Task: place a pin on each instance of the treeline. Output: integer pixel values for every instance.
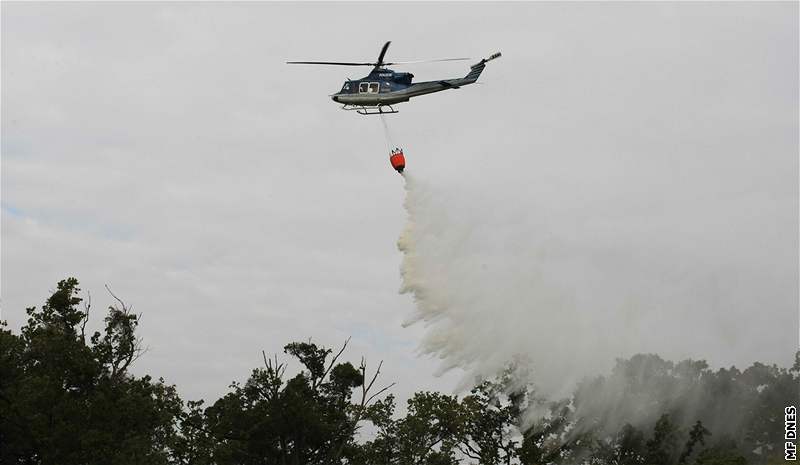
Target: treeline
(68, 397)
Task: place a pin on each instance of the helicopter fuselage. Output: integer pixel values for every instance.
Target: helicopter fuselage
(386, 87)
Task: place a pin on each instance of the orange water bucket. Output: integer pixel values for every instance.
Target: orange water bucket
(398, 161)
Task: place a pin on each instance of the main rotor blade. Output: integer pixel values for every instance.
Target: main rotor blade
(338, 63)
(424, 61)
(383, 52)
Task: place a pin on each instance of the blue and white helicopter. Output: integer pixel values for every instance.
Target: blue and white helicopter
(376, 93)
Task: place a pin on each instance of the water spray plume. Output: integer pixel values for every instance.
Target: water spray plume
(492, 280)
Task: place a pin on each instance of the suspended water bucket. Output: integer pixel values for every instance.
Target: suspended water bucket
(397, 160)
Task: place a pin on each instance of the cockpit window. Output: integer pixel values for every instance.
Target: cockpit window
(346, 86)
(362, 87)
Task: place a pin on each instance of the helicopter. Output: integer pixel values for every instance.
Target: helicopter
(375, 93)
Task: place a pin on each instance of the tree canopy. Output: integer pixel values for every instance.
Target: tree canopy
(69, 398)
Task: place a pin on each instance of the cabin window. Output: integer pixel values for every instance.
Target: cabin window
(363, 87)
(373, 87)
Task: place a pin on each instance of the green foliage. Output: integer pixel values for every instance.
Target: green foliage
(696, 435)
(662, 449)
(63, 401)
(307, 419)
(630, 449)
(440, 429)
(490, 422)
(724, 453)
(66, 398)
(426, 434)
(311, 356)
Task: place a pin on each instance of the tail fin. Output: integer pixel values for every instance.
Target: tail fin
(477, 68)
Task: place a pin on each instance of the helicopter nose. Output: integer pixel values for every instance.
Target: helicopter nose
(335, 98)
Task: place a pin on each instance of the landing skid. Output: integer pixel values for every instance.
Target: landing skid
(362, 110)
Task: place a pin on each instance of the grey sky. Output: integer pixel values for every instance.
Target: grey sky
(167, 150)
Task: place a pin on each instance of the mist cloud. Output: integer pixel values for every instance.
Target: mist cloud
(493, 278)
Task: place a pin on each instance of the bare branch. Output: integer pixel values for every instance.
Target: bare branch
(374, 377)
(363, 369)
(477, 457)
(379, 392)
(336, 357)
(123, 358)
(87, 305)
(365, 397)
(124, 307)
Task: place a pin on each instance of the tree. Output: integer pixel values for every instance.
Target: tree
(630, 449)
(725, 452)
(66, 401)
(696, 435)
(490, 423)
(428, 433)
(308, 419)
(69, 398)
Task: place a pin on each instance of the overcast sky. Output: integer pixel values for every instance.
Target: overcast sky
(168, 151)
